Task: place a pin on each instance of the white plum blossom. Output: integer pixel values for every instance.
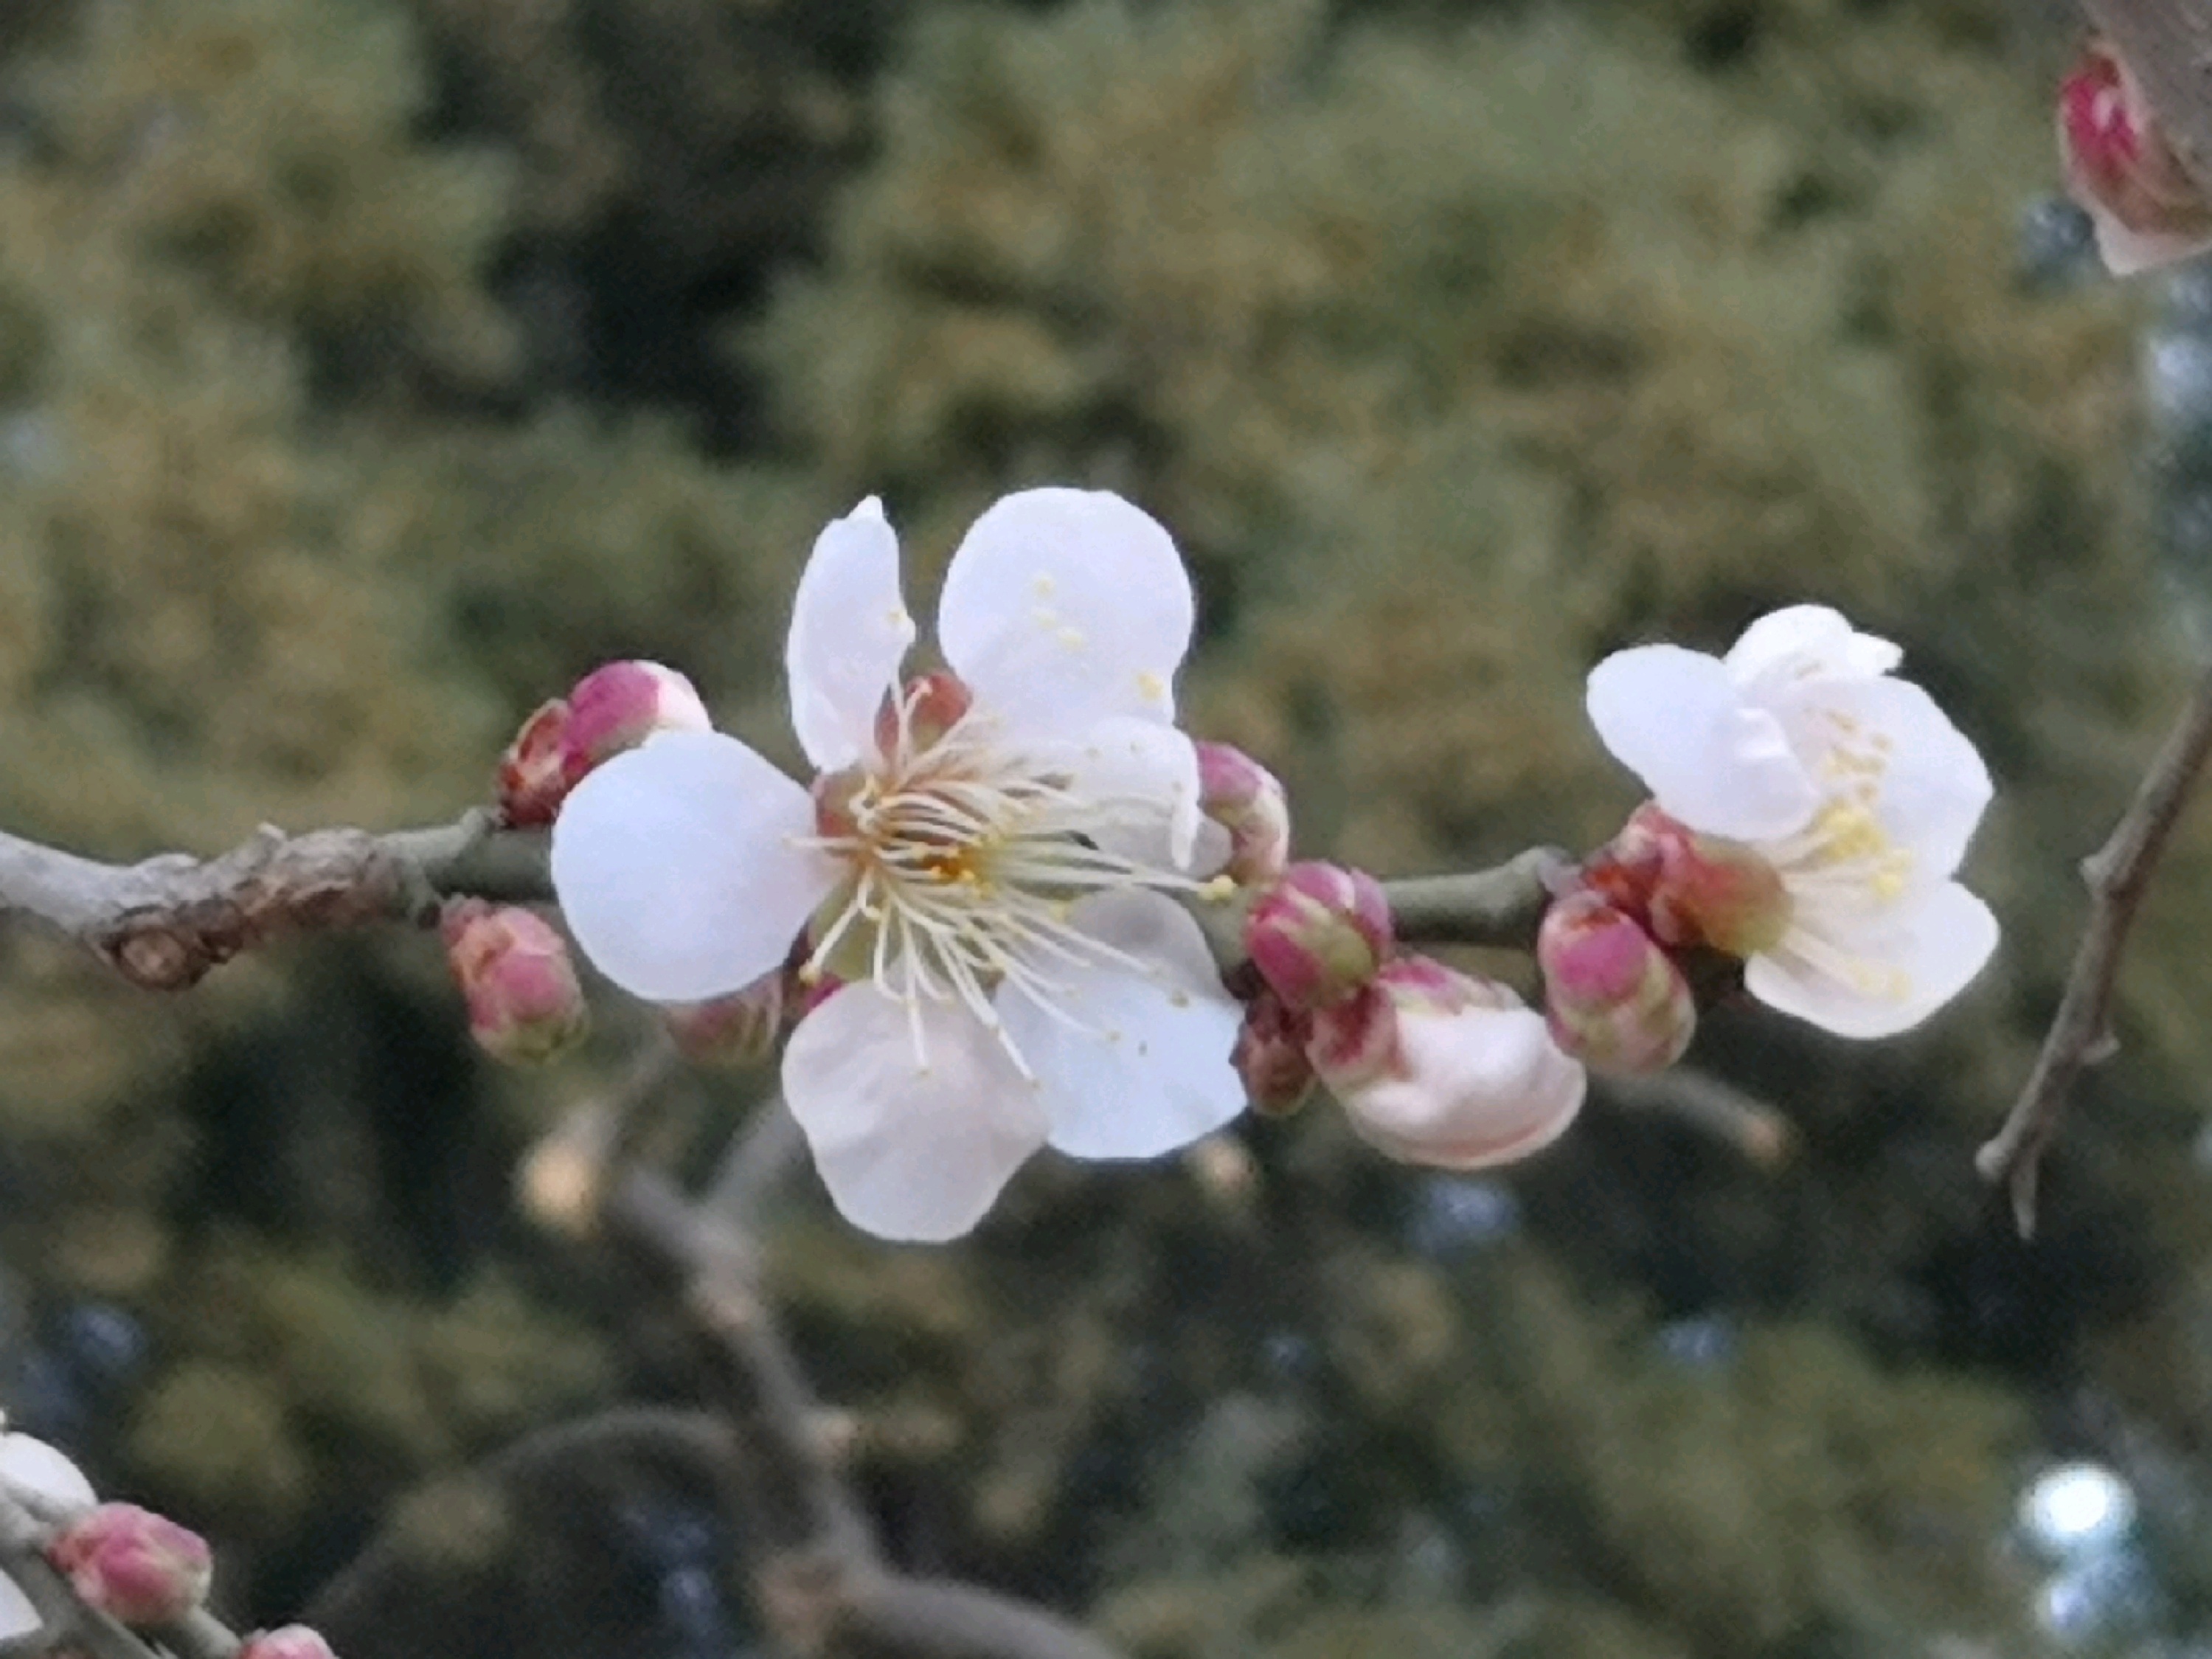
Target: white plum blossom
(34, 1469)
(986, 862)
(1852, 784)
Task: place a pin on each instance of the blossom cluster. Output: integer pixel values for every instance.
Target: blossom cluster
(1012, 905)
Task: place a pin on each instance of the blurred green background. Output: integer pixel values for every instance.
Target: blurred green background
(370, 369)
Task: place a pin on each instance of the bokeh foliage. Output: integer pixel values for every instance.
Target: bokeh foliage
(370, 368)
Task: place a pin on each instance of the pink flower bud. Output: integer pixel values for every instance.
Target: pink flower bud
(1271, 1056)
(926, 709)
(1473, 1078)
(1318, 933)
(533, 777)
(1613, 998)
(621, 704)
(738, 1029)
(1690, 888)
(2147, 208)
(291, 1642)
(613, 708)
(524, 1004)
(1247, 799)
(137, 1566)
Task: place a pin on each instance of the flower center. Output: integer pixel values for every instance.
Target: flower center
(964, 856)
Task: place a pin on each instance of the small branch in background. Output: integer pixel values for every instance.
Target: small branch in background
(2117, 874)
(163, 923)
(1737, 1119)
(820, 1574)
(2168, 46)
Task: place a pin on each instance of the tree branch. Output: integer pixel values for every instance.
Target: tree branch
(2118, 873)
(1502, 906)
(163, 923)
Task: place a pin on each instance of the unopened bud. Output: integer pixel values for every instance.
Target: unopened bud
(1247, 799)
(533, 773)
(1614, 999)
(614, 707)
(133, 1564)
(1318, 933)
(513, 968)
(2147, 208)
(289, 1641)
(1472, 1079)
(737, 1029)
(918, 714)
(619, 705)
(1271, 1056)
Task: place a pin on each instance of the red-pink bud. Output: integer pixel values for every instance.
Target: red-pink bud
(738, 1029)
(1318, 933)
(917, 717)
(525, 1003)
(614, 707)
(1467, 1077)
(533, 775)
(1247, 799)
(1614, 999)
(133, 1564)
(1271, 1056)
(619, 705)
(1352, 1041)
(289, 1641)
(2147, 208)
(1692, 890)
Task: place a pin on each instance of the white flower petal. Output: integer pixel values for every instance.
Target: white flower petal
(1884, 744)
(1143, 778)
(1801, 641)
(2126, 253)
(17, 1616)
(1065, 607)
(1677, 719)
(29, 1462)
(1877, 980)
(677, 870)
(911, 1145)
(1134, 1063)
(31, 1465)
(849, 632)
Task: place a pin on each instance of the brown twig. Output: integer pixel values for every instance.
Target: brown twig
(164, 923)
(2081, 1034)
(820, 1574)
(1705, 1103)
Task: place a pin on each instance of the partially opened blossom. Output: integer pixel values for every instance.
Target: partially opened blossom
(2147, 208)
(1802, 747)
(984, 864)
(1435, 1066)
